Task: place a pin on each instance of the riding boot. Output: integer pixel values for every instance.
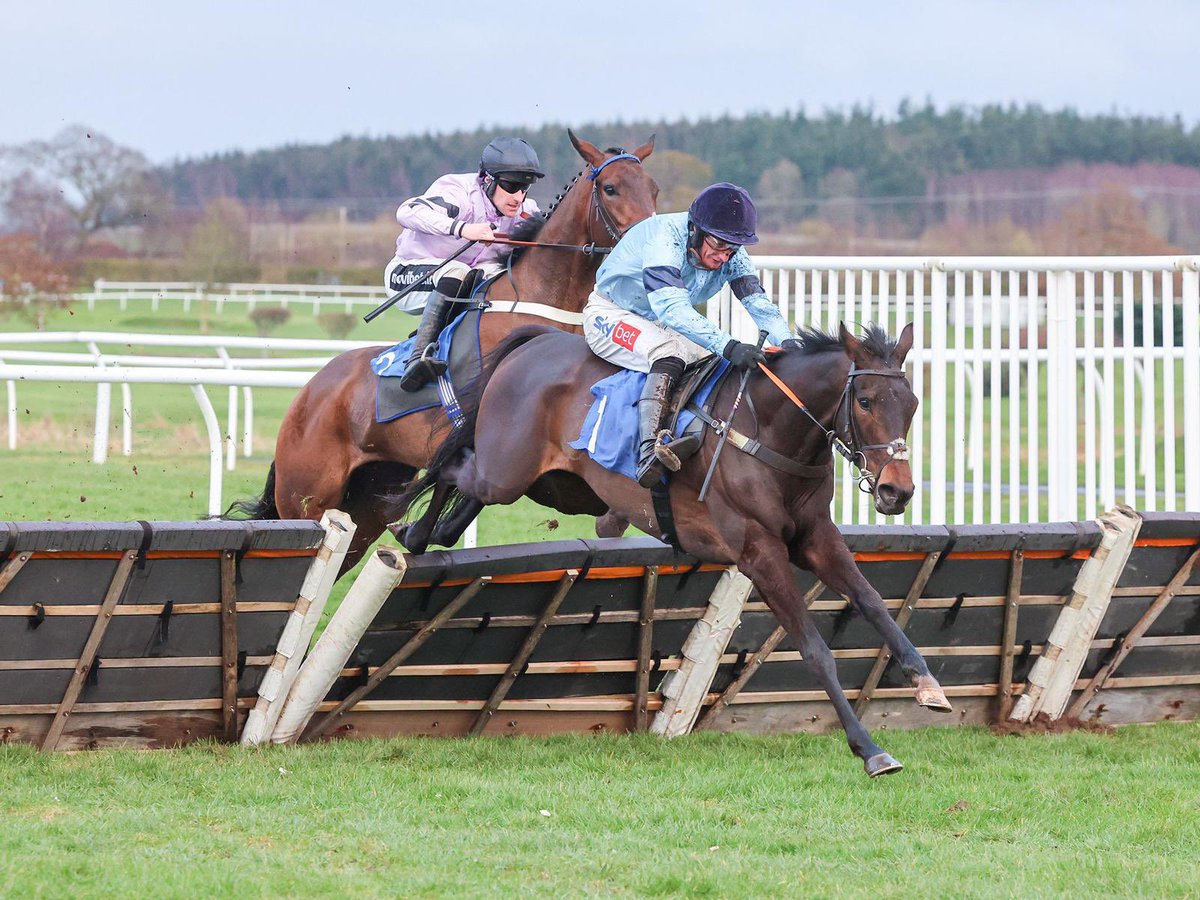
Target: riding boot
(421, 368)
(652, 407)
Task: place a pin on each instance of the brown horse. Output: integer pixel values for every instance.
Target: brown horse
(332, 453)
(764, 510)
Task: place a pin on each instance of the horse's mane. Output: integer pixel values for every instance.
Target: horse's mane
(529, 229)
(875, 341)
(526, 230)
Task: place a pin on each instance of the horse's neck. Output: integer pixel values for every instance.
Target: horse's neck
(818, 380)
(559, 278)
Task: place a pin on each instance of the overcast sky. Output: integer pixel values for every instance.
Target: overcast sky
(178, 80)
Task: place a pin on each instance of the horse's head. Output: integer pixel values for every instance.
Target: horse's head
(876, 412)
(623, 193)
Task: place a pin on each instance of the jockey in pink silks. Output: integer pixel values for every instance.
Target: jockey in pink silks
(457, 208)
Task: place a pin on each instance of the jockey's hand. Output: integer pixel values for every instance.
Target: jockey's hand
(478, 232)
(744, 356)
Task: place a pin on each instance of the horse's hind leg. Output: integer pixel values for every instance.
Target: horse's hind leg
(449, 531)
(611, 525)
(368, 501)
(826, 555)
(416, 536)
(765, 562)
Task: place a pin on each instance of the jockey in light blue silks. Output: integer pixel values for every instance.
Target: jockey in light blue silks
(641, 315)
(456, 208)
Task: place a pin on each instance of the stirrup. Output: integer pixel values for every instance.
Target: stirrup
(664, 453)
(422, 370)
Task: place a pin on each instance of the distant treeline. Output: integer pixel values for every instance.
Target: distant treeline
(895, 156)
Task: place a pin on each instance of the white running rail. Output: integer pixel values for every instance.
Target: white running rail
(1042, 397)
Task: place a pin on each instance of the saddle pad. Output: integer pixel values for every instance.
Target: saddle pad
(458, 343)
(610, 429)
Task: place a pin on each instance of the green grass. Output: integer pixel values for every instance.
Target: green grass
(707, 815)
(715, 815)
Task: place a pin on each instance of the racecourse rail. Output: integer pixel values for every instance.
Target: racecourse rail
(1043, 397)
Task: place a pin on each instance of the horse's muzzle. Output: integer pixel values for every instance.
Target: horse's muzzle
(891, 498)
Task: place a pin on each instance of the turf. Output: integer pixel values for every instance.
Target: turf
(707, 815)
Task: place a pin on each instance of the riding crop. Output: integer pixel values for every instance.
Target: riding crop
(401, 294)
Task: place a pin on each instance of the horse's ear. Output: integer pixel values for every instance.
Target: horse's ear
(590, 152)
(646, 149)
(851, 344)
(903, 345)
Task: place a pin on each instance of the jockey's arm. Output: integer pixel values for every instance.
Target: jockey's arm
(444, 209)
(747, 288)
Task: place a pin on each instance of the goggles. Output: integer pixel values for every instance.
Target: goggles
(512, 187)
(721, 246)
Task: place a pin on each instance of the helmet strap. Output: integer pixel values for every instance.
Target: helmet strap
(489, 187)
(695, 238)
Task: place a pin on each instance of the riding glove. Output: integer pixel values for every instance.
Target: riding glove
(744, 356)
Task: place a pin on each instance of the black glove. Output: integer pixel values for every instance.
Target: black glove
(744, 356)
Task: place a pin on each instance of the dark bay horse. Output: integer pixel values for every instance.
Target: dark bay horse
(331, 453)
(762, 513)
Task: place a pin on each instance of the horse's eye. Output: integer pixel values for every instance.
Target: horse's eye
(864, 402)
(610, 190)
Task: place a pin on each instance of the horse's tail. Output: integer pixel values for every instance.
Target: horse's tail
(261, 508)
(463, 437)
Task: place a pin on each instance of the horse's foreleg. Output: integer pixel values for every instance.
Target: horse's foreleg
(825, 554)
(765, 562)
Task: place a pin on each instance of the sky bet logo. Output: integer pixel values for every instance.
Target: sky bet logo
(625, 335)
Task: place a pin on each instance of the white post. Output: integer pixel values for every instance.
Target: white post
(371, 588)
(103, 412)
(310, 604)
(247, 421)
(685, 689)
(1052, 678)
(214, 449)
(231, 430)
(1063, 397)
(11, 390)
(939, 311)
(1191, 385)
(126, 420)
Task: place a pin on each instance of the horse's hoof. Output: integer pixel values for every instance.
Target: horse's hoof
(930, 695)
(882, 764)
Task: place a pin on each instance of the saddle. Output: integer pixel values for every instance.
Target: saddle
(609, 433)
(458, 345)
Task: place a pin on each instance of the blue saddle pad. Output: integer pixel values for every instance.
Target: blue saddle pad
(610, 429)
(458, 343)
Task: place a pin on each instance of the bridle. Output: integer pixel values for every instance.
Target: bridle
(851, 449)
(602, 215)
(597, 211)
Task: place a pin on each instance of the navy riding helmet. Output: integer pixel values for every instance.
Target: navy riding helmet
(726, 212)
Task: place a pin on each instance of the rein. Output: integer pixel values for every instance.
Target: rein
(853, 452)
(586, 249)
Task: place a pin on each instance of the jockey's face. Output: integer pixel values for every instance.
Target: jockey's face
(713, 253)
(509, 196)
